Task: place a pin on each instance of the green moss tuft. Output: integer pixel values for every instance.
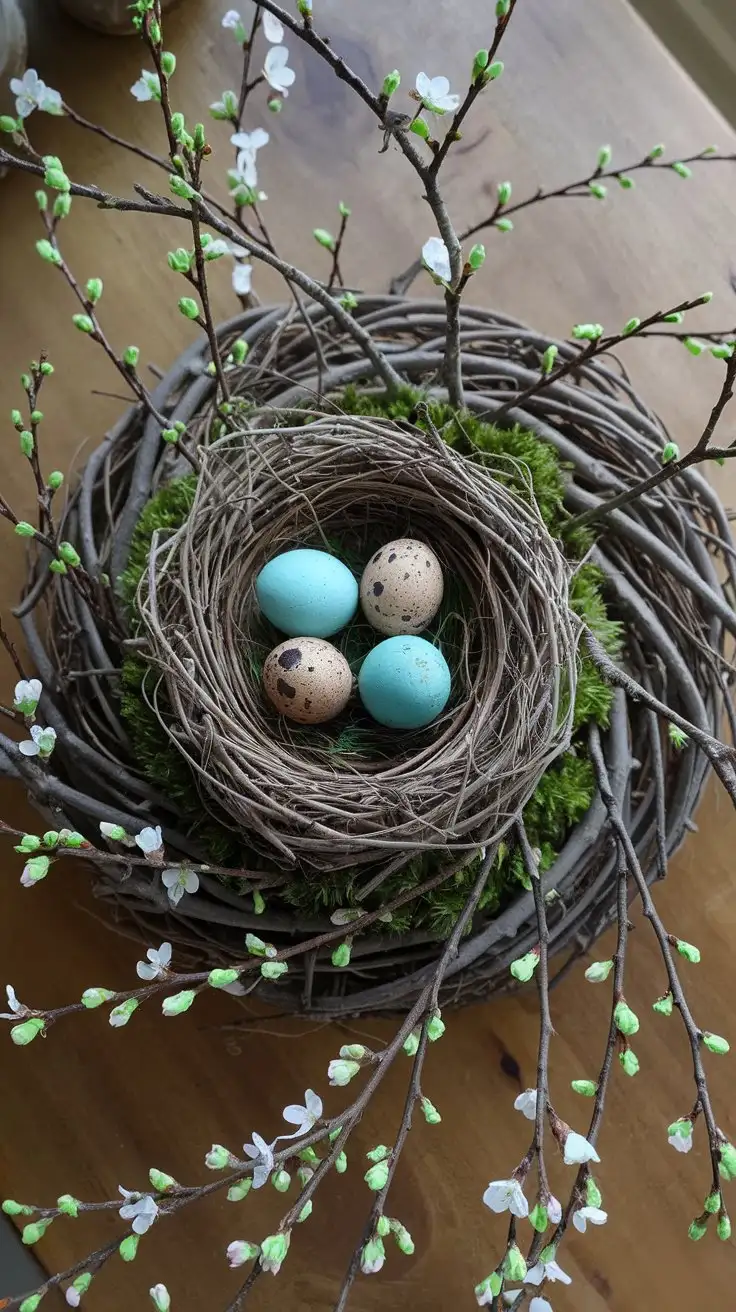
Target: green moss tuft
(533, 468)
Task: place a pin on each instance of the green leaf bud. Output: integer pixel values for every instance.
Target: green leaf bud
(219, 979)
(11, 1208)
(94, 289)
(8, 124)
(131, 355)
(71, 557)
(631, 326)
(480, 64)
(83, 323)
(538, 1218)
(664, 1004)
(698, 1228)
(724, 1228)
(55, 480)
(586, 1088)
(629, 1062)
(48, 252)
(68, 1205)
(324, 238)
(604, 157)
(168, 63)
(36, 1230)
(391, 83)
(129, 1248)
(524, 967)
(179, 260)
(188, 307)
(376, 1176)
(95, 997)
(24, 1034)
(598, 190)
(504, 193)
(430, 1113)
(181, 188)
(420, 128)
(626, 1020)
(476, 256)
(548, 359)
(25, 530)
(341, 955)
(712, 1203)
(274, 969)
(714, 1043)
(688, 951)
(57, 567)
(681, 169)
(27, 444)
(514, 1265)
(177, 1003)
(670, 452)
(587, 332)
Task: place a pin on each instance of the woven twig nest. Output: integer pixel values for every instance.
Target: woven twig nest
(659, 555)
(454, 785)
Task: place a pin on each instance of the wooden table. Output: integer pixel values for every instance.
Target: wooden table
(91, 1108)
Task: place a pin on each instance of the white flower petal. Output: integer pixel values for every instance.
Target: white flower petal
(313, 1104)
(437, 258)
(276, 70)
(28, 748)
(164, 954)
(423, 84)
(506, 1196)
(577, 1150)
(295, 1115)
(526, 1103)
(540, 1305)
(680, 1144)
(149, 839)
(231, 18)
(242, 279)
(554, 1209)
(273, 30)
(145, 971)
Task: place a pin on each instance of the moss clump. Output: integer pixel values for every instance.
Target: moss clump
(566, 791)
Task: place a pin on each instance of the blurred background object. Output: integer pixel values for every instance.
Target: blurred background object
(12, 50)
(110, 16)
(701, 34)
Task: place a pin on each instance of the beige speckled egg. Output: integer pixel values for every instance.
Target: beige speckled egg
(401, 588)
(307, 680)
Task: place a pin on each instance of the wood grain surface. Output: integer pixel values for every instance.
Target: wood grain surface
(91, 1108)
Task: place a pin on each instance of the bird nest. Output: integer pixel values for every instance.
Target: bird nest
(452, 788)
(298, 799)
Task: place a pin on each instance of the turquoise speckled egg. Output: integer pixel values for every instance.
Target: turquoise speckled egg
(404, 682)
(307, 593)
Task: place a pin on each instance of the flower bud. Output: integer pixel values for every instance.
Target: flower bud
(95, 997)
(587, 332)
(604, 157)
(11, 1208)
(341, 1163)
(83, 323)
(626, 1020)
(494, 70)
(664, 1005)
(237, 1192)
(524, 967)
(411, 1043)
(420, 128)
(377, 1176)
(631, 326)
(121, 1014)
(218, 1158)
(712, 1203)
(25, 530)
(281, 1181)
(547, 365)
(129, 1248)
(273, 1251)
(48, 252)
(29, 843)
(274, 969)
(378, 1153)
(8, 124)
(161, 1181)
(373, 1256)
(240, 1252)
(431, 1115)
(62, 205)
(724, 1228)
(181, 188)
(168, 63)
(341, 955)
(36, 1230)
(94, 289)
(502, 9)
(27, 444)
(695, 347)
(656, 152)
(593, 1195)
(188, 307)
(69, 1205)
(219, 979)
(24, 1034)
(31, 1303)
(404, 1241)
(538, 1217)
(435, 1028)
(391, 83)
(682, 169)
(670, 452)
(586, 1088)
(480, 64)
(514, 1265)
(131, 355)
(179, 260)
(714, 1043)
(728, 1161)
(698, 1228)
(629, 1062)
(324, 238)
(178, 1002)
(55, 480)
(504, 225)
(476, 256)
(688, 951)
(70, 557)
(722, 350)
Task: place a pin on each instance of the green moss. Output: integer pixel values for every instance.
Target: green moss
(517, 457)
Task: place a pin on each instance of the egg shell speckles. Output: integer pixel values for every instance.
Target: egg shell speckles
(402, 586)
(307, 592)
(404, 682)
(307, 680)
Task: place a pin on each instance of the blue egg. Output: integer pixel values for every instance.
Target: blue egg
(306, 593)
(404, 682)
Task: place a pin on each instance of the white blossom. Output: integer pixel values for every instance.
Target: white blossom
(682, 1143)
(436, 258)
(242, 278)
(247, 145)
(178, 882)
(341, 1072)
(73, 1296)
(41, 742)
(149, 839)
(276, 70)
(158, 962)
(16, 1007)
(373, 1257)
(142, 1211)
(594, 1215)
(434, 93)
(160, 1298)
(148, 86)
(231, 19)
(546, 1271)
(27, 695)
(273, 30)
(506, 1196)
(526, 1103)
(554, 1209)
(540, 1305)
(32, 93)
(241, 1251)
(262, 1154)
(304, 1118)
(578, 1150)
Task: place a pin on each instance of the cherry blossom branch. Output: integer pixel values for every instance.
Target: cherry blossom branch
(700, 452)
(595, 344)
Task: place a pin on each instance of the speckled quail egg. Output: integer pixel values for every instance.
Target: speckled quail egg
(307, 680)
(402, 586)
